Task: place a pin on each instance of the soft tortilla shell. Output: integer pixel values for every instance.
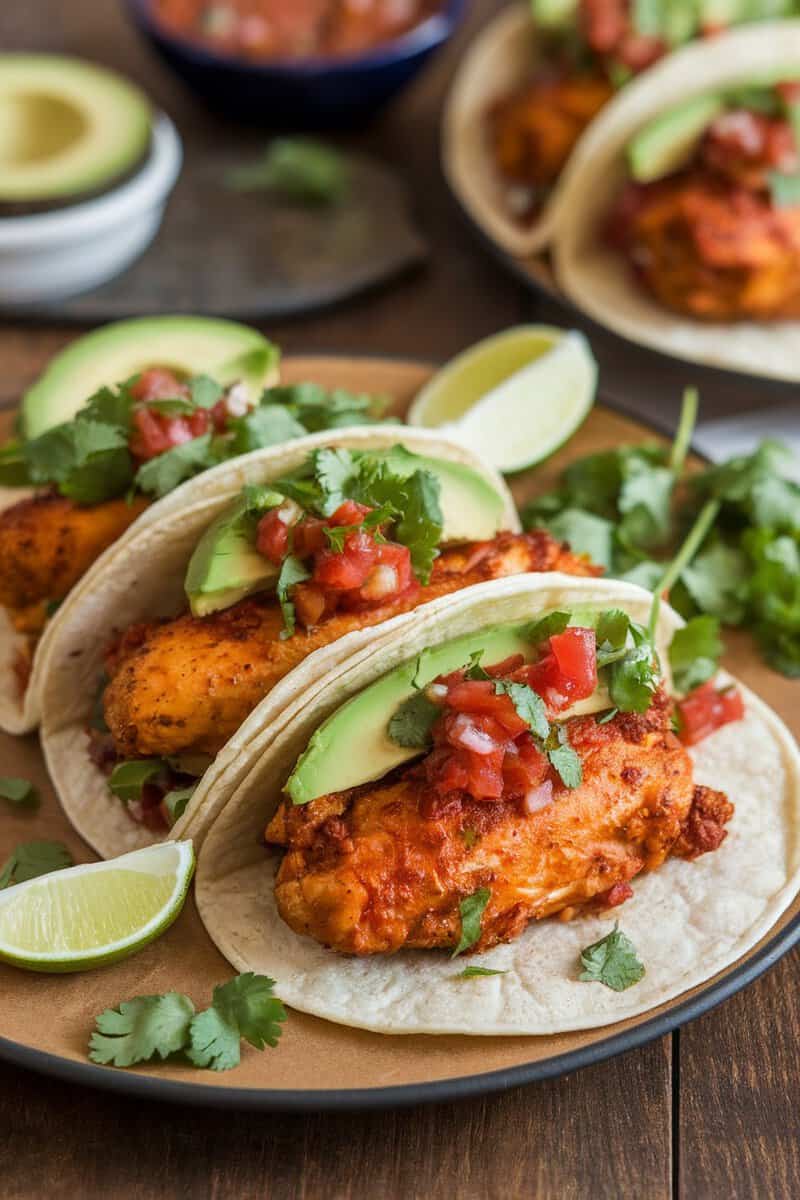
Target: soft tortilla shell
(599, 280)
(687, 920)
(142, 578)
(501, 59)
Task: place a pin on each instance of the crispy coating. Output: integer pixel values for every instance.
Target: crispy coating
(532, 132)
(715, 251)
(47, 543)
(366, 873)
(186, 685)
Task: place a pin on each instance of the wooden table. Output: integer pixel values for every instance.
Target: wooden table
(710, 1112)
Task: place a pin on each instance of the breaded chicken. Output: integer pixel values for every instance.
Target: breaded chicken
(713, 250)
(366, 873)
(47, 543)
(533, 131)
(186, 685)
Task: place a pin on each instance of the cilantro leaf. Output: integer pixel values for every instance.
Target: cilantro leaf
(694, 652)
(539, 631)
(563, 759)
(528, 704)
(471, 909)
(584, 532)
(644, 502)
(176, 801)
(300, 170)
(633, 680)
(166, 471)
(29, 860)
(717, 581)
(292, 572)
(420, 527)
(478, 972)
(89, 461)
(19, 792)
(245, 1007)
(205, 391)
(412, 722)
(333, 470)
(141, 1029)
(128, 778)
(265, 425)
(473, 669)
(611, 961)
(14, 469)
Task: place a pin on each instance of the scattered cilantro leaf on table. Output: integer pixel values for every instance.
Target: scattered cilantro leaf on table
(18, 792)
(148, 1027)
(478, 972)
(299, 170)
(245, 1007)
(612, 961)
(29, 860)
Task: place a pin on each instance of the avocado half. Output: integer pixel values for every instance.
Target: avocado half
(225, 350)
(67, 128)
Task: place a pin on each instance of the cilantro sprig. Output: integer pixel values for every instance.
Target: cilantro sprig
(471, 910)
(88, 459)
(148, 1027)
(741, 565)
(29, 860)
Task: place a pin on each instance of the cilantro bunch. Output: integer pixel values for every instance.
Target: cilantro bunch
(630, 507)
(148, 1027)
(88, 459)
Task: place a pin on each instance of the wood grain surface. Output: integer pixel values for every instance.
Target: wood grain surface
(711, 1112)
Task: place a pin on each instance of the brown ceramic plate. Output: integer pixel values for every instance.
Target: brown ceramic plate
(46, 1020)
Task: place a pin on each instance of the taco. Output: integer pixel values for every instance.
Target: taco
(121, 462)
(506, 782)
(533, 83)
(680, 218)
(302, 556)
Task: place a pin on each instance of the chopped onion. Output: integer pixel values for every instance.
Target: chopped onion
(382, 581)
(436, 692)
(465, 733)
(538, 798)
(236, 401)
(289, 513)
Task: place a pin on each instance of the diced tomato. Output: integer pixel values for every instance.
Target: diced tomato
(272, 536)
(155, 432)
(158, 383)
(789, 91)
(706, 709)
(309, 537)
(524, 767)
(575, 651)
(348, 569)
(506, 667)
(309, 604)
(349, 512)
(479, 696)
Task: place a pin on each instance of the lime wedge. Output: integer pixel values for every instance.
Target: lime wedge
(90, 915)
(514, 398)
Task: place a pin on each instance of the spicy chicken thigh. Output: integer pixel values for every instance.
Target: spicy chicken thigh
(185, 686)
(366, 872)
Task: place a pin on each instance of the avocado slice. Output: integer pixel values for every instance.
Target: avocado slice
(667, 143)
(187, 345)
(225, 566)
(555, 14)
(68, 126)
(353, 746)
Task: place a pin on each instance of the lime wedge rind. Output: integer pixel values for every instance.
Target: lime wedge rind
(76, 909)
(529, 412)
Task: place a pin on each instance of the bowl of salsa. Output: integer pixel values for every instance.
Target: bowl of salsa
(295, 64)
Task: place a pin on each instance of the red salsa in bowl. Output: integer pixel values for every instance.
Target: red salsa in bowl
(285, 30)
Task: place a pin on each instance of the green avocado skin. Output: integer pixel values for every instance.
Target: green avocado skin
(353, 746)
(225, 350)
(668, 141)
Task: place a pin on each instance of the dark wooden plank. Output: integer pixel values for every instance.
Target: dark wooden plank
(738, 1128)
(563, 1140)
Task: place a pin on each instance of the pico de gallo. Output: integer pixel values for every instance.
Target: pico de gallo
(266, 30)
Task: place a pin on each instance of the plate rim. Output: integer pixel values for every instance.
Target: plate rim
(149, 1086)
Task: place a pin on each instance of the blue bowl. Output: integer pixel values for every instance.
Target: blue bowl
(318, 93)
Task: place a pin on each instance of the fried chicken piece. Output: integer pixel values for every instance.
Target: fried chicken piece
(713, 250)
(533, 131)
(47, 543)
(366, 873)
(186, 685)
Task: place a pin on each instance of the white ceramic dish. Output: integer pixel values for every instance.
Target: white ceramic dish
(49, 256)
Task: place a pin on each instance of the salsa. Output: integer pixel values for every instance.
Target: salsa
(264, 30)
